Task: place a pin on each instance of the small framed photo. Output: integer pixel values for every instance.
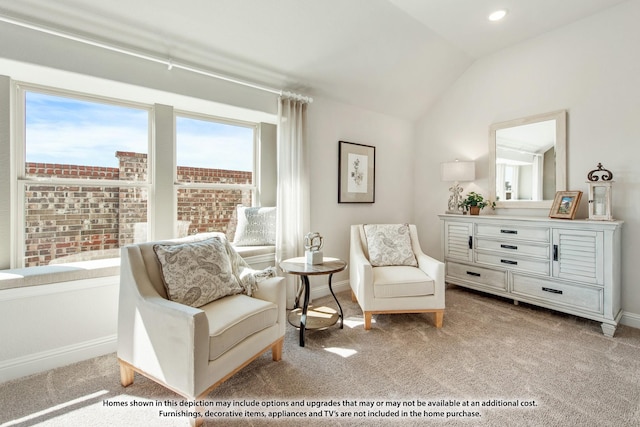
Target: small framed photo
(356, 173)
(565, 204)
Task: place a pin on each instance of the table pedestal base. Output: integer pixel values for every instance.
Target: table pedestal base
(317, 317)
(309, 317)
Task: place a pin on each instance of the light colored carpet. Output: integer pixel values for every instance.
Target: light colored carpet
(488, 350)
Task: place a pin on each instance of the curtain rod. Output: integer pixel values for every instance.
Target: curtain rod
(169, 63)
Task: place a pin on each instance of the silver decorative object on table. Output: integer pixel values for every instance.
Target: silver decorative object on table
(313, 242)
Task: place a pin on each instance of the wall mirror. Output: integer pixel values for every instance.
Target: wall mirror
(527, 160)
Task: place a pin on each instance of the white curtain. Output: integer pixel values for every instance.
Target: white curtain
(293, 199)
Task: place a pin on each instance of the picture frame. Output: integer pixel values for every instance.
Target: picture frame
(565, 204)
(356, 172)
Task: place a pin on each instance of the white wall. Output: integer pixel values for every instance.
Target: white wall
(590, 68)
(43, 327)
(330, 122)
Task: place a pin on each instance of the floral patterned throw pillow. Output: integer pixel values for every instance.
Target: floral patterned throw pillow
(196, 273)
(389, 244)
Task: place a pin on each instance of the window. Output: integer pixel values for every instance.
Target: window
(82, 183)
(215, 172)
(86, 179)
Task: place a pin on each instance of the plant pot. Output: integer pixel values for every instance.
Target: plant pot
(474, 210)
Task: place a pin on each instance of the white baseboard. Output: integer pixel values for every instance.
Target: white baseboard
(630, 319)
(321, 291)
(50, 359)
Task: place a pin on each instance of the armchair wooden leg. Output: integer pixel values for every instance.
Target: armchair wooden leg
(438, 317)
(196, 422)
(126, 374)
(367, 320)
(353, 297)
(276, 351)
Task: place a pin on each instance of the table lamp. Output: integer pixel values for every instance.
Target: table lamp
(456, 171)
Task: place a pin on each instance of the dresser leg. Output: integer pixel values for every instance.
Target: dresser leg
(516, 302)
(608, 330)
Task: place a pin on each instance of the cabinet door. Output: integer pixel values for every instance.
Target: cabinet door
(458, 241)
(578, 255)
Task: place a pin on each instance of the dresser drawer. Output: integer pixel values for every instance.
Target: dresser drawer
(538, 234)
(484, 276)
(513, 262)
(511, 247)
(581, 297)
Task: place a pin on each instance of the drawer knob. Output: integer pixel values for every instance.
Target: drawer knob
(509, 247)
(553, 291)
(509, 231)
(508, 261)
(473, 273)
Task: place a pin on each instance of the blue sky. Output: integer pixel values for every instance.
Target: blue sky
(72, 131)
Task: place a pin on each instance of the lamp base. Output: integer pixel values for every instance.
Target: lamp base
(455, 199)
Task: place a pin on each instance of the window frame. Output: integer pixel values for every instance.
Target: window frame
(253, 187)
(20, 179)
(158, 116)
(215, 119)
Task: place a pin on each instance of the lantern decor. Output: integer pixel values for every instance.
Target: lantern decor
(313, 242)
(600, 181)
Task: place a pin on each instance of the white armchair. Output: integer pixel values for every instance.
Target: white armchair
(388, 289)
(191, 350)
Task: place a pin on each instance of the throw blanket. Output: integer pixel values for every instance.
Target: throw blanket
(247, 276)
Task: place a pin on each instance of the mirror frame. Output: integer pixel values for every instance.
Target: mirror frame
(561, 158)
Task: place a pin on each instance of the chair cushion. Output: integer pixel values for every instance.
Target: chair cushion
(234, 318)
(256, 226)
(401, 281)
(196, 273)
(389, 244)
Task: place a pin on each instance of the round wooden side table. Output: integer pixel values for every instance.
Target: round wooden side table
(306, 317)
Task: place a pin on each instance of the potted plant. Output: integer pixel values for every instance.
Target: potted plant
(474, 202)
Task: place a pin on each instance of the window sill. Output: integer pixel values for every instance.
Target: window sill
(56, 273)
(47, 274)
(251, 251)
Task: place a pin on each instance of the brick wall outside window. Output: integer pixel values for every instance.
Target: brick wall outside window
(80, 222)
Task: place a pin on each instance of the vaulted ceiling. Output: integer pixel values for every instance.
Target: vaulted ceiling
(391, 56)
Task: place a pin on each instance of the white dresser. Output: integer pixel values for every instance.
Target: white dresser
(571, 266)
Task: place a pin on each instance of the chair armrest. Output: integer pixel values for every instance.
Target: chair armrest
(360, 270)
(433, 267)
(275, 291)
(271, 289)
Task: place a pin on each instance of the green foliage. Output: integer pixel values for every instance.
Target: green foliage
(475, 199)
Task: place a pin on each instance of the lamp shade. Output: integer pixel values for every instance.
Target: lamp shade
(457, 171)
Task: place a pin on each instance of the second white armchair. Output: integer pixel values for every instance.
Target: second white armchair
(390, 274)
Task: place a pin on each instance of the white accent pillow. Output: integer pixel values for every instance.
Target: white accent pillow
(389, 244)
(256, 226)
(196, 273)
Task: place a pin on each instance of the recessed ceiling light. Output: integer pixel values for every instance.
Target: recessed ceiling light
(498, 15)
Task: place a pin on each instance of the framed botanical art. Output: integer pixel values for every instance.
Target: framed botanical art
(356, 173)
(565, 204)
